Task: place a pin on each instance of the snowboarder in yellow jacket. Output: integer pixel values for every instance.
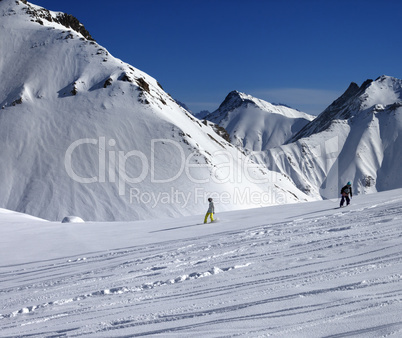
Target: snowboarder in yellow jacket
(211, 211)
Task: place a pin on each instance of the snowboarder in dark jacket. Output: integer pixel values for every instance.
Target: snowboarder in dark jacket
(345, 192)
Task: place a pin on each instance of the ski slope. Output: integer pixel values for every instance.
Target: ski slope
(302, 270)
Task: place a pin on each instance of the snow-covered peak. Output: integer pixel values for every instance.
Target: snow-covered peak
(84, 133)
(80, 64)
(371, 96)
(236, 99)
(384, 91)
(233, 100)
(43, 16)
(357, 139)
(256, 124)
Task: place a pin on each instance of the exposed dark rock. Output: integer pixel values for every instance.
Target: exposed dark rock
(368, 181)
(102, 51)
(143, 84)
(17, 101)
(108, 82)
(221, 132)
(74, 91)
(124, 77)
(214, 139)
(394, 106)
(342, 109)
(365, 84)
(67, 20)
(232, 101)
(69, 90)
(142, 99)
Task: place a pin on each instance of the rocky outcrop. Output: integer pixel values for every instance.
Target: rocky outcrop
(67, 20)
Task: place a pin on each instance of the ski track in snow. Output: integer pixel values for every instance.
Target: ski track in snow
(335, 275)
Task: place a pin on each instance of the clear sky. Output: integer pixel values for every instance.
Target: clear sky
(303, 53)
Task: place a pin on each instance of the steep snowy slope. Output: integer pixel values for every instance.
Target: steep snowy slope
(357, 138)
(83, 133)
(256, 124)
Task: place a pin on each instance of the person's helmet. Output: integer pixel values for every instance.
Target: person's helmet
(349, 183)
(210, 199)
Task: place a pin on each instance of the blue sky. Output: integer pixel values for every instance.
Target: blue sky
(301, 53)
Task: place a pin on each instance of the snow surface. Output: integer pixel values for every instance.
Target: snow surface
(302, 270)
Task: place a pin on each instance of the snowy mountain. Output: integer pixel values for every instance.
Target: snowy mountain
(301, 271)
(184, 106)
(202, 114)
(83, 133)
(357, 138)
(255, 124)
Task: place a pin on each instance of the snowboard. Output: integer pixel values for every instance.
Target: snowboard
(216, 220)
(340, 207)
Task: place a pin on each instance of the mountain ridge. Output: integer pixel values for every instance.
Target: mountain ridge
(355, 139)
(255, 124)
(86, 134)
(343, 108)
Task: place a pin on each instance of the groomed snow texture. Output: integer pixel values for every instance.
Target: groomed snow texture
(304, 270)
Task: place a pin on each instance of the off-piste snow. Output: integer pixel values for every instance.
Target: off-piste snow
(302, 270)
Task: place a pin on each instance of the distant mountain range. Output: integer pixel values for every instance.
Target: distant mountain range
(357, 138)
